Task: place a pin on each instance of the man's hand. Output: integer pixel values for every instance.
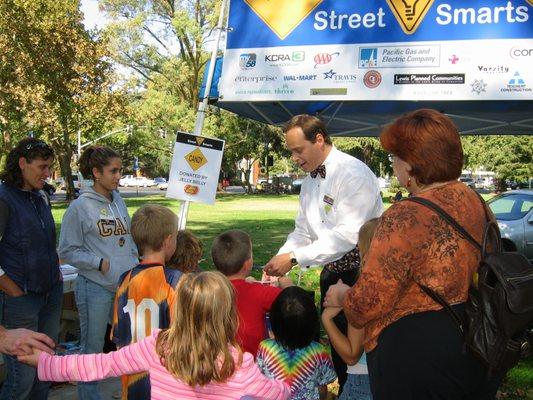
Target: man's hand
(278, 265)
(335, 295)
(22, 341)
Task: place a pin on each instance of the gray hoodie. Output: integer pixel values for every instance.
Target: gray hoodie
(95, 228)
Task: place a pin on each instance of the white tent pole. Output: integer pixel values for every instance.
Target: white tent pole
(200, 115)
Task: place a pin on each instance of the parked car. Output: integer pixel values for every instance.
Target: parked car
(514, 212)
(161, 183)
(130, 180)
(468, 182)
(49, 189)
(297, 186)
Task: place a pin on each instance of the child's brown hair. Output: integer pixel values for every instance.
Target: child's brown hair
(366, 233)
(188, 252)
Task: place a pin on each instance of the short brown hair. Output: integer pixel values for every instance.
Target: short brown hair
(150, 226)
(429, 142)
(188, 252)
(366, 234)
(230, 250)
(30, 149)
(310, 126)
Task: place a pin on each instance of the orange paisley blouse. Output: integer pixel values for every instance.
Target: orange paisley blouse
(413, 244)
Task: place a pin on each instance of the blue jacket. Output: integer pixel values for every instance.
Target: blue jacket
(28, 246)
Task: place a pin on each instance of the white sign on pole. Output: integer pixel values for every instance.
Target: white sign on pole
(195, 168)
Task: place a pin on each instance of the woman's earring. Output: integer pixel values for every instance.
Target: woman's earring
(409, 182)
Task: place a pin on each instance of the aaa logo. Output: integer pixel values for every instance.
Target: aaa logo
(283, 16)
(410, 13)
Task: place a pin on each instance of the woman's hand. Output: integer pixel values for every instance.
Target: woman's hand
(105, 267)
(335, 294)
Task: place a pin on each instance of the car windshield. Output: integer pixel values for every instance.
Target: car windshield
(512, 206)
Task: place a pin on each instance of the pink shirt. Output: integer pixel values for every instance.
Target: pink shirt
(141, 356)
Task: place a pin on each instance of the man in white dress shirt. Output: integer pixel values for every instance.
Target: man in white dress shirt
(339, 194)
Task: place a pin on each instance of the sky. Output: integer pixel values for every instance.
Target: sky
(93, 17)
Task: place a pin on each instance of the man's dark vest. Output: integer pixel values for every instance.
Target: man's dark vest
(28, 247)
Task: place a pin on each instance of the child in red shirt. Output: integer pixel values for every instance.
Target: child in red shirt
(232, 255)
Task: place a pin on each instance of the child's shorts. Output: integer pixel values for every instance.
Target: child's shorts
(357, 387)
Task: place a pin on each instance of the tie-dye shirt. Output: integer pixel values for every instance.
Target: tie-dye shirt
(303, 369)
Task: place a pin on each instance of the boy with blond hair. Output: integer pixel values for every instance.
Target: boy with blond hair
(145, 295)
(232, 255)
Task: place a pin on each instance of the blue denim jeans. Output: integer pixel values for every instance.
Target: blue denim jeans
(39, 312)
(95, 304)
(357, 387)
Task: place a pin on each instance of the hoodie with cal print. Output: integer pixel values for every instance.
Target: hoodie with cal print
(95, 228)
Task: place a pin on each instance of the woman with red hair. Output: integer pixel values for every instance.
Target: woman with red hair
(414, 348)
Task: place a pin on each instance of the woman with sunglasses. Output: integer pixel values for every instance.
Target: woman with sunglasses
(31, 289)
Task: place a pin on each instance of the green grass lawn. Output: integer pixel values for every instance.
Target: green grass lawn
(268, 219)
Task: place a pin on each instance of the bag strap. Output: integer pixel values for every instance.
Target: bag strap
(440, 300)
(447, 217)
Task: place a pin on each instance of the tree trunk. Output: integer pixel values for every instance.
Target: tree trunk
(64, 154)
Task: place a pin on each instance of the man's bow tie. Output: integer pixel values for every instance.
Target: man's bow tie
(321, 170)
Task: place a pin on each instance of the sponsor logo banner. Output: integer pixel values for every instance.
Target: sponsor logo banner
(277, 23)
(448, 70)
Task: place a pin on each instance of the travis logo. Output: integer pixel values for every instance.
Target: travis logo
(409, 13)
(282, 16)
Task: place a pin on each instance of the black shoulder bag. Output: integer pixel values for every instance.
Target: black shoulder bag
(499, 310)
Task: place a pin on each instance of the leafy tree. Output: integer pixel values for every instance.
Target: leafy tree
(369, 151)
(511, 157)
(54, 76)
(146, 32)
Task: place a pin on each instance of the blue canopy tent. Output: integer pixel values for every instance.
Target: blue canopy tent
(276, 67)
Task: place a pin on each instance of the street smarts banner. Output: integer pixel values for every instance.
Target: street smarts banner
(326, 50)
(195, 168)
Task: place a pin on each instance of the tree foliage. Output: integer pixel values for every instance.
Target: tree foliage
(511, 157)
(54, 78)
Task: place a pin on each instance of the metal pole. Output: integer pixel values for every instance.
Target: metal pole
(200, 116)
